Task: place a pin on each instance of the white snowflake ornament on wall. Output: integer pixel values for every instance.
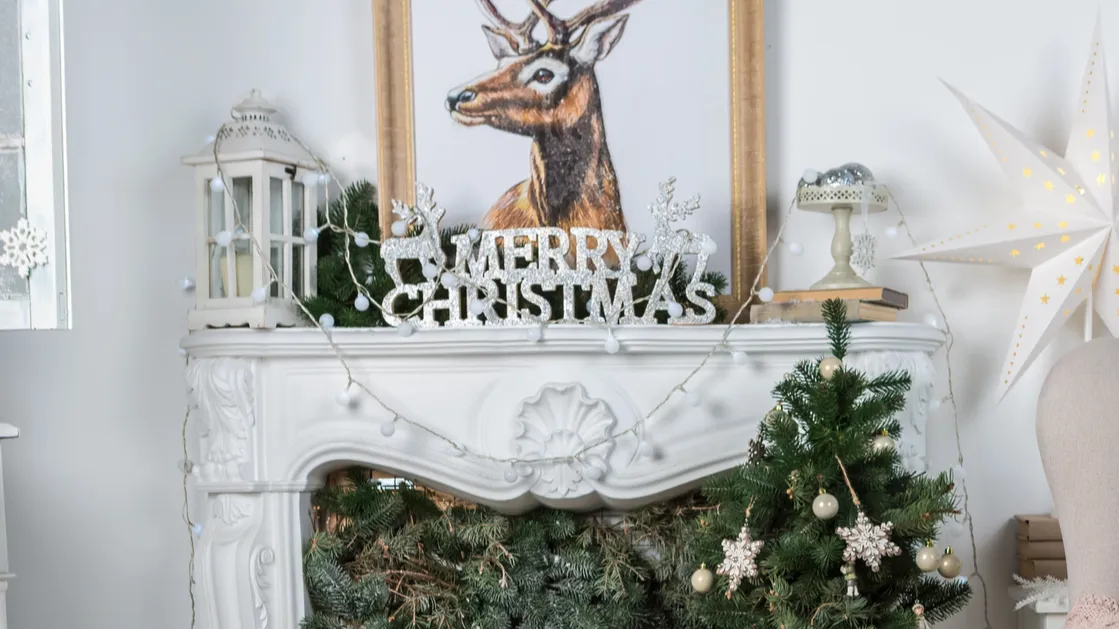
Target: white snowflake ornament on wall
(25, 247)
(739, 558)
(1066, 233)
(868, 541)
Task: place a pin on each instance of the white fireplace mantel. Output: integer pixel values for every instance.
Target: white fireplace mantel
(271, 427)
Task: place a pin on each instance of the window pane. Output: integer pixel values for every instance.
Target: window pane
(276, 206)
(297, 226)
(11, 94)
(11, 210)
(277, 266)
(243, 195)
(297, 271)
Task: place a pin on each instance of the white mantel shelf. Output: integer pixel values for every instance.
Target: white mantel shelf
(270, 427)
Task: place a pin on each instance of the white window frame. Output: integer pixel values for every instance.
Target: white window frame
(44, 168)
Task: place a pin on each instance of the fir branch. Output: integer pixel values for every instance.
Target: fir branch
(839, 328)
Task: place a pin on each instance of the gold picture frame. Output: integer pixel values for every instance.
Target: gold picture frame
(392, 37)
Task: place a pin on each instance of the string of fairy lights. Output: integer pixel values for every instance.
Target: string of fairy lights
(515, 467)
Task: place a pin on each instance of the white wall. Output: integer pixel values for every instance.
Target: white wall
(92, 485)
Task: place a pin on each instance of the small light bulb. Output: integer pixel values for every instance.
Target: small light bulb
(187, 284)
(210, 139)
(311, 179)
(892, 231)
(197, 529)
(344, 398)
(644, 262)
(259, 294)
(796, 248)
(216, 184)
(361, 239)
(510, 475)
(675, 309)
(932, 320)
(324, 178)
(405, 329)
(311, 234)
(223, 238)
(361, 303)
(766, 294)
(693, 399)
(430, 270)
(473, 234)
(810, 176)
(534, 333)
(612, 344)
(399, 228)
(448, 280)
(326, 321)
(388, 427)
(709, 247)
(739, 357)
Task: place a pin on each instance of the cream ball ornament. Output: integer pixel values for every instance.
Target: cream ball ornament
(829, 366)
(702, 579)
(927, 558)
(883, 442)
(825, 506)
(949, 565)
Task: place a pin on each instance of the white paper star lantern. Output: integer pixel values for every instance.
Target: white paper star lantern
(1067, 231)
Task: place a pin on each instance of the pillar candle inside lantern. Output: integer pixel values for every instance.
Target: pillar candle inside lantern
(244, 263)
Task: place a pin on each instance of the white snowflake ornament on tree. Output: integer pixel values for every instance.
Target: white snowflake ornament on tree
(868, 541)
(25, 247)
(739, 558)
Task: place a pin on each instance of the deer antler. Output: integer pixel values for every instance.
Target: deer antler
(557, 28)
(604, 8)
(521, 31)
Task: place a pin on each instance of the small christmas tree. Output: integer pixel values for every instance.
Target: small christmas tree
(822, 527)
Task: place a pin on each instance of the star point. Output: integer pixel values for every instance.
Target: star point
(1045, 299)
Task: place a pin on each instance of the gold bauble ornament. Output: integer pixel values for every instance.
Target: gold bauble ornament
(829, 366)
(825, 506)
(702, 579)
(927, 558)
(883, 443)
(950, 565)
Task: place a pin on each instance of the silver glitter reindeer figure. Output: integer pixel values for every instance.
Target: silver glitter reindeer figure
(669, 243)
(422, 243)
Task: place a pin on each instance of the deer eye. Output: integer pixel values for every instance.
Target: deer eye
(543, 76)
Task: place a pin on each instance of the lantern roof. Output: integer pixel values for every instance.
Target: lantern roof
(254, 134)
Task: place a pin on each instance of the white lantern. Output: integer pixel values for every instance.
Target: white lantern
(265, 195)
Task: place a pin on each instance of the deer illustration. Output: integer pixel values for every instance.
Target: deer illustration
(548, 92)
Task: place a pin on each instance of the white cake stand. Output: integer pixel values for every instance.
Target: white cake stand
(841, 201)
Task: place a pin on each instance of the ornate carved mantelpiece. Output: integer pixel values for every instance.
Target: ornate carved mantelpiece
(270, 426)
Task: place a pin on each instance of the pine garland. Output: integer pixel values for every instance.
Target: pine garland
(336, 290)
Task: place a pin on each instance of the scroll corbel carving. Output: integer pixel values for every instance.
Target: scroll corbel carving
(222, 390)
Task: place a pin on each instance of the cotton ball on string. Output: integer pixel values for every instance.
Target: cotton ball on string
(932, 320)
(388, 427)
(534, 333)
(476, 308)
(449, 280)
(187, 284)
(675, 309)
(311, 234)
(795, 248)
(405, 329)
(647, 450)
(326, 320)
(810, 176)
(259, 294)
(511, 475)
(739, 357)
(311, 179)
(182, 352)
(709, 247)
(644, 262)
(892, 231)
(361, 303)
(399, 228)
(197, 529)
(766, 294)
(344, 398)
(592, 472)
(210, 139)
(223, 238)
(324, 178)
(430, 270)
(361, 239)
(693, 398)
(217, 185)
(612, 345)
(473, 234)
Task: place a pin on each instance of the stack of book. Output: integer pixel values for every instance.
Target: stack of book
(806, 306)
(1041, 551)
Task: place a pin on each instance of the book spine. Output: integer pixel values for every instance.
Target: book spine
(1040, 568)
(1039, 530)
(1028, 549)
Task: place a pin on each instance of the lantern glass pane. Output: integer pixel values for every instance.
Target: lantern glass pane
(297, 271)
(278, 266)
(217, 271)
(297, 224)
(276, 206)
(12, 284)
(243, 196)
(215, 222)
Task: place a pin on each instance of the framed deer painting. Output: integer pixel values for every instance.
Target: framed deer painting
(568, 113)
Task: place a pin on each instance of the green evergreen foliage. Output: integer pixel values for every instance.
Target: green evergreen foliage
(800, 584)
(337, 292)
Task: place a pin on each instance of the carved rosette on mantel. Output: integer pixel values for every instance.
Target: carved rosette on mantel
(269, 426)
